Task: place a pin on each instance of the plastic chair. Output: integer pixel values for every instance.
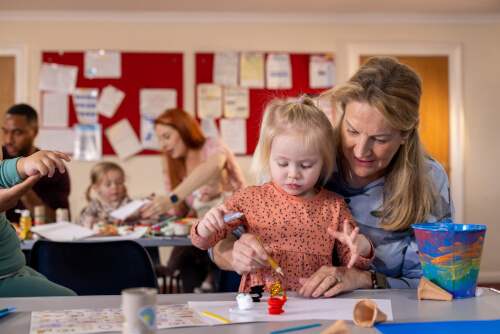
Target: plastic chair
(94, 268)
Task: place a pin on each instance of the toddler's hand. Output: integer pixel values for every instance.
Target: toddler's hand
(212, 222)
(350, 238)
(43, 163)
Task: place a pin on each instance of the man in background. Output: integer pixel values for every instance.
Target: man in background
(20, 127)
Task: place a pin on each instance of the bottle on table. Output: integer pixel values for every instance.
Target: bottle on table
(25, 224)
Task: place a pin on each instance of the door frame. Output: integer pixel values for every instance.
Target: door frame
(18, 51)
(457, 131)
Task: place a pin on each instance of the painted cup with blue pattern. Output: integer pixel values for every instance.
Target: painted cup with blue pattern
(450, 255)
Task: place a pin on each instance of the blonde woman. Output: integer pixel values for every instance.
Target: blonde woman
(385, 175)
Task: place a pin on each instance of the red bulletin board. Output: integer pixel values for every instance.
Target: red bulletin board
(260, 97)
(139, 70)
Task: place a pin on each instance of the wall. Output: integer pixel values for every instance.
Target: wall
(481, 78)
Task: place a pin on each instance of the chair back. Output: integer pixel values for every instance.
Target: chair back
(94, 268)
(228, 281)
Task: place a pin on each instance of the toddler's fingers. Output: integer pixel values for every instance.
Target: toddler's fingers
(335, 234)
(354, 234)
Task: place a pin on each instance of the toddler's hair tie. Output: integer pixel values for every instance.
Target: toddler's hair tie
(300, 101)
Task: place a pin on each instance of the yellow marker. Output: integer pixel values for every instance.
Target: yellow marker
(273, 263)
(215, 316)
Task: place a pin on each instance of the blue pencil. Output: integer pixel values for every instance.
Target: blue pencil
(295, 329)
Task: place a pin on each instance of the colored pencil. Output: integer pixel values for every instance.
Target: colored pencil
(215, 316)
(295, 329)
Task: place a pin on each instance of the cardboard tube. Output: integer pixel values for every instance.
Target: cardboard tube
(366, 313)
(429, 290)
(339, 327)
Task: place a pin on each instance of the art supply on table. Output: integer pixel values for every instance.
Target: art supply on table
(6, 310)
(273, 263)
(295, 329)
(215, 316)
(429, 290)
(62, 215)
(339, 327)
(229, 217)
(25, 224)
(39, 216)
(495, 290)
(256, 290)
(366, 313)
(245, 301)
(139, 310)
(451, 254)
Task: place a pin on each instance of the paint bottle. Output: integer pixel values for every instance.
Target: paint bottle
(25, 224)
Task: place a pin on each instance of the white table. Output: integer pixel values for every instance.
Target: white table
(146, 242)
(405, 308)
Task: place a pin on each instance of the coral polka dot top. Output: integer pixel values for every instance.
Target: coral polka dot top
(295, 228)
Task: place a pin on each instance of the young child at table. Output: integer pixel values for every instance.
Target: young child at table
(108, 182)
(210, 195)
(18, 176)
(293, 214)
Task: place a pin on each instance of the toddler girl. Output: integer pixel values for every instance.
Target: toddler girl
(108, 181)
(292, 213)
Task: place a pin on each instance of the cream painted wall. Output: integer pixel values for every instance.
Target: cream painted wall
(481, 77)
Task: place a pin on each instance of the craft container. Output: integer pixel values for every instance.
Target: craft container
(450, 255)
(139, 310)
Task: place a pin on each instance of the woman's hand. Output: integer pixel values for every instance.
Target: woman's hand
(330, 281)
(159, 206)
(249, 255)
(10, 196)
(43, 163)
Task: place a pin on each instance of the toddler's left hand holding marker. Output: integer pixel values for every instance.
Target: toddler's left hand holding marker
(213, 221)
(43, 163)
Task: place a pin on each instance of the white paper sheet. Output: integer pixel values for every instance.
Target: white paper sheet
(234, 133)
(209, 127)
(58, 78)
(88, 142)
(252, 70)
(296, 308)
(236, 102)
(321, 71)
(55, 109)
(153, 102)
(226, 68)
(57, 139)
(62, 231)
(149, 139)
(85, 103)
(110, 100)
(103, 64)
(278, 71)
(128, 209)
(209, 98)
(123, 139)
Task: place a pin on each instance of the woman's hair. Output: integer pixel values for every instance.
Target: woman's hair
(190, 133)
(308, 124)
(394, 90)
(98, 172)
